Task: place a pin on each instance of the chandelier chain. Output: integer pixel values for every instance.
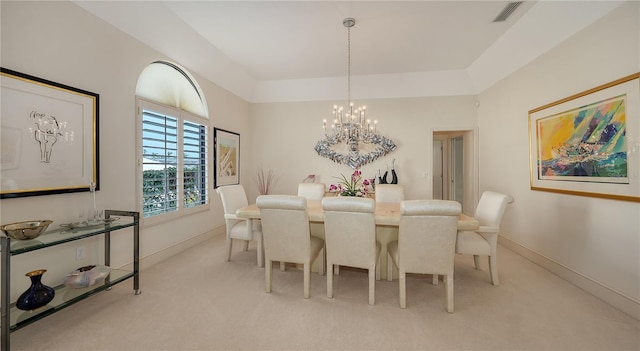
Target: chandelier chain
(348, 65)
(351, 138)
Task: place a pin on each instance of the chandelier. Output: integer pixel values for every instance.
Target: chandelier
(352, 138)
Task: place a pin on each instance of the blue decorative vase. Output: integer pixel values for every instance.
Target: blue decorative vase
(37, 295)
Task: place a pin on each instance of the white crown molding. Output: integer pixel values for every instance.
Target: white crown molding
(522, 43)
(378, 86)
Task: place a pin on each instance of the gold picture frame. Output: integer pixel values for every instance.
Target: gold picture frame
(49, 137)
(588, 144)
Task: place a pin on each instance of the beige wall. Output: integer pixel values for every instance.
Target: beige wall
(598, 240)
(285, 134)
(588, 240)
(592, 242)
(63, 43)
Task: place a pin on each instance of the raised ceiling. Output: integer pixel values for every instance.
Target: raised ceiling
(265, 51)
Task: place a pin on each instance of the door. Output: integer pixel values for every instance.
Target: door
(457, 169)
(438, 170)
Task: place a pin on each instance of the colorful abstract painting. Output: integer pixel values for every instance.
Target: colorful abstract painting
(585, 144)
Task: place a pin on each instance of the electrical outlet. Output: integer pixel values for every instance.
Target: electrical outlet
(80, 253)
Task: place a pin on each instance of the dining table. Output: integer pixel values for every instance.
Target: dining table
(387, 216)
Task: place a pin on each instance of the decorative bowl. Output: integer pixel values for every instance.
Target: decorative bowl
(86, 276)
(25, 230)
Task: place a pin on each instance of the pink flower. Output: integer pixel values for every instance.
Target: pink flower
(352, 186)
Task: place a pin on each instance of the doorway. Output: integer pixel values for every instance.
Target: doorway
(453, 167)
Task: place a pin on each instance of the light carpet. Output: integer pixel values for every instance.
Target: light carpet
(195, 301)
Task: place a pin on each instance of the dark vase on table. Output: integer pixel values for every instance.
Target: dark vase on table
(37, 295)
(394, 175)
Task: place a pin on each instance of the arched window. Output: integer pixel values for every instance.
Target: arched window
(173, 145)
(171, 85)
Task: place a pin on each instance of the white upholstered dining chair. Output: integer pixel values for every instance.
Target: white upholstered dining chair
(484, 241)
(233, 198)
(389, 193)
(426, 243)
(285, 227)
(311, 191)
(350, 237)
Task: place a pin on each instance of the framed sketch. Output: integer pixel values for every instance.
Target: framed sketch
(226, 146)
(588, 144)
(49, 137)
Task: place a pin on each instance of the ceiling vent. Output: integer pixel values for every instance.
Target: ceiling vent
(507, 11)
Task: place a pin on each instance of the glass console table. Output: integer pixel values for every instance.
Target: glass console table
(13, 319)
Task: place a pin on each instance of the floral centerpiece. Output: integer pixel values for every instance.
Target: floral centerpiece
(353, 186)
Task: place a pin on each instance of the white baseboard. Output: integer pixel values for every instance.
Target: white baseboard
(153, 258)
(616, 299)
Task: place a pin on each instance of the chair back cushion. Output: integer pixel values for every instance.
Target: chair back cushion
(427, 235)
(233, 197)
(350, 230)
(311, 191)
(491, 208)
(389, 193)
(285, 227)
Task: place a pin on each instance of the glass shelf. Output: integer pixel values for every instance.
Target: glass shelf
(64, 297)
(64, 235)
(12, 318)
